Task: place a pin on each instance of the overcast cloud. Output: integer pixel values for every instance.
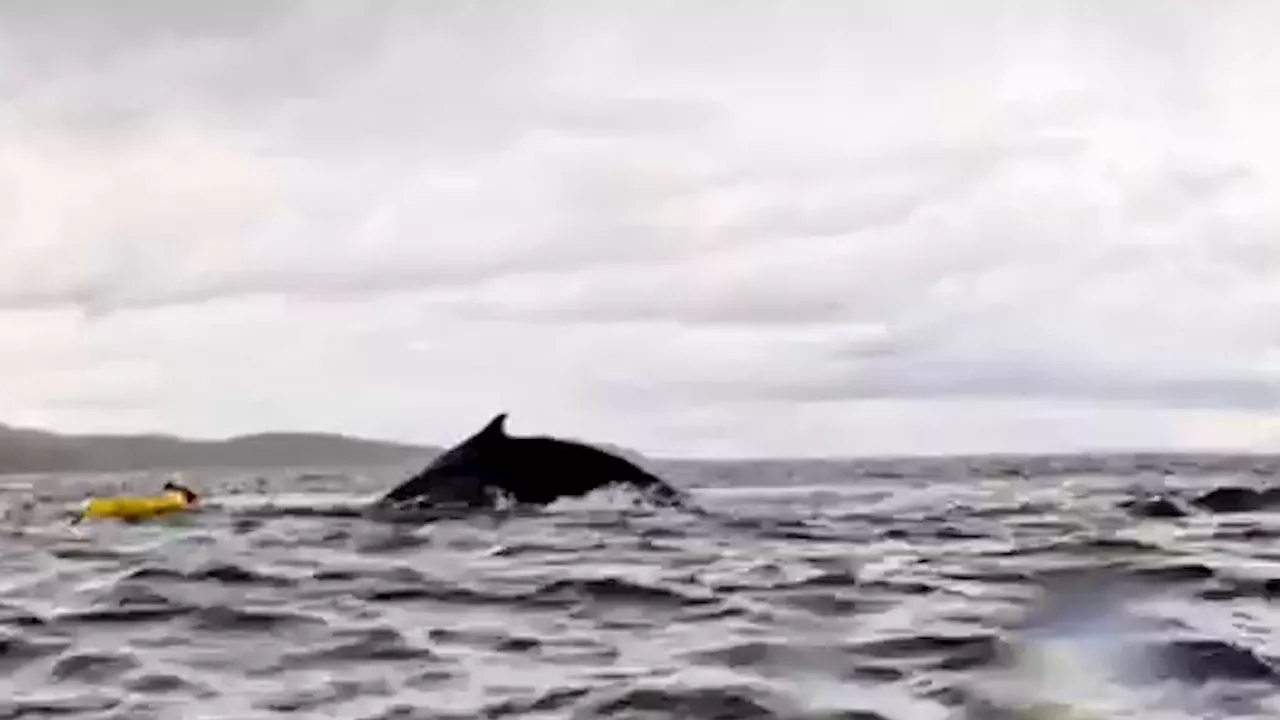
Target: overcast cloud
(739, 228)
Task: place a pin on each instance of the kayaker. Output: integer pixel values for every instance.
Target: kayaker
(176, 498)
(188, 495)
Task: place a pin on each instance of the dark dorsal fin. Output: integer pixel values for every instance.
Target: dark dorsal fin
(496, 427)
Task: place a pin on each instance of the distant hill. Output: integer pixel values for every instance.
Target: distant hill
(25, 450)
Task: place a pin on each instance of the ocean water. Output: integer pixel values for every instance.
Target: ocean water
(904, 590)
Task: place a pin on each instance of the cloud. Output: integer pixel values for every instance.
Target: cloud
(819, 229)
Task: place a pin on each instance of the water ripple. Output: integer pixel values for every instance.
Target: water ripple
(887, 593)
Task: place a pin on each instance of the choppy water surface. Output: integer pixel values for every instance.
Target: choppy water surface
(812, 591)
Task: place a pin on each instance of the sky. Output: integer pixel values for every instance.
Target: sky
(716, 229)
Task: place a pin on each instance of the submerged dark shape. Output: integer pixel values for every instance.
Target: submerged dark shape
(1155, 507)
(1220, 500)
(491, 465)
(1228, 499)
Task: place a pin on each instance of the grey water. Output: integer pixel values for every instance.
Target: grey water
(904, 590)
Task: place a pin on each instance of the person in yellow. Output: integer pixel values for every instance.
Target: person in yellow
(176, 498)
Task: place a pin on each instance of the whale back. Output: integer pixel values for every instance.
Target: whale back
(532, 470)
(541, 469)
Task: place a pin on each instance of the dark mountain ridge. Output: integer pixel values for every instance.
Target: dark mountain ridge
(24, 450)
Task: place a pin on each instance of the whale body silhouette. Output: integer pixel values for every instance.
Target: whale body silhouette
(535, 470)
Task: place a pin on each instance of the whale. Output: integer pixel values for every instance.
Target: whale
(492, 466)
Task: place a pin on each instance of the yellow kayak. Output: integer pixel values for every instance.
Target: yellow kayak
(136, 509)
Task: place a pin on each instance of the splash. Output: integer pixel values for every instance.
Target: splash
(1074, 656)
